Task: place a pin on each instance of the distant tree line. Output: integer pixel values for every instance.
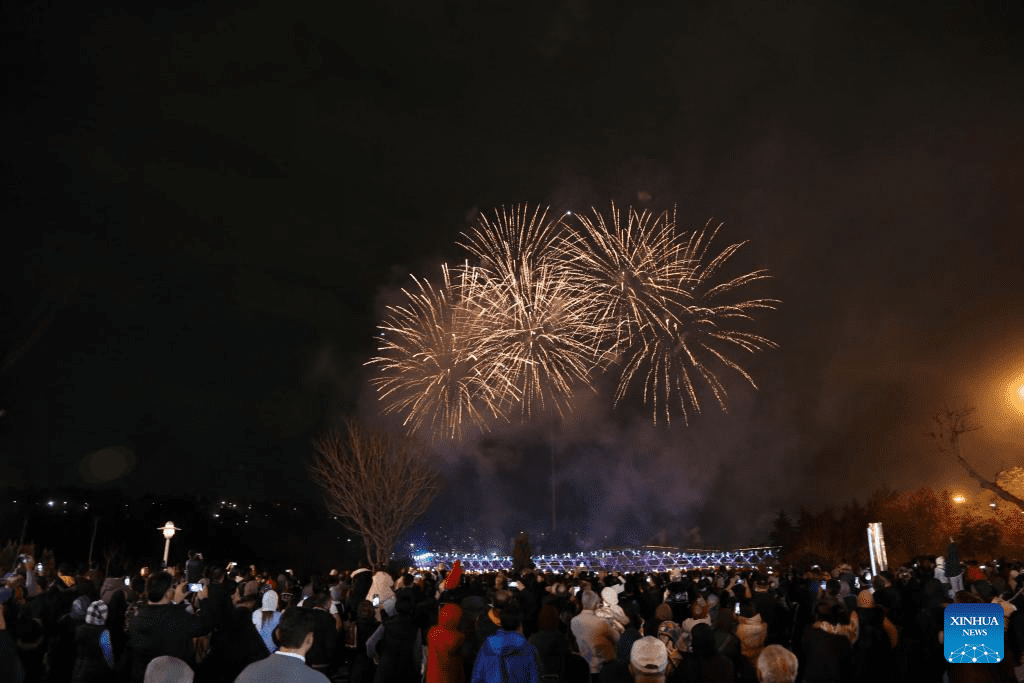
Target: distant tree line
(915, 522)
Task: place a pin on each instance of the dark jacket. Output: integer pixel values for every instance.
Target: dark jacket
(90, 664)
(872, 653)
(10, 665)
(396, 651)
(827, 657)
(163, 630)
(506, 657)
(233, 646)
(953, 561)
(325, 637)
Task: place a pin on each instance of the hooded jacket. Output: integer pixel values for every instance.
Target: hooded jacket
(383, 586)
(506, 657)
(612, 609)
(444, 644)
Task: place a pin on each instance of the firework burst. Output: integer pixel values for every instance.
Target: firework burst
(675, 325)
(433, 360)
(547, 304)
(546, 337)
(513, 240)
(546, 329)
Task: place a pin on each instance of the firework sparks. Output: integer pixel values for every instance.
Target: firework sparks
(433, 360)
(513, 240)
(547, 337)
(547, 305)
(675, 323)
(546, 328)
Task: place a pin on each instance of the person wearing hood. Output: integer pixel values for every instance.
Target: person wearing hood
(444, 647)
(382, 586)
(611, 610)
(266, 620)
(507, 656)
(325, 641)
(94, 656)
(751, 631)
(234, 644)
(62, 649)
(617, 670)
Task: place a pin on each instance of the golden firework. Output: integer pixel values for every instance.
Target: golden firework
(547, 303)
(433, 363)
(675, 323)
(546, 329)
(513, 239)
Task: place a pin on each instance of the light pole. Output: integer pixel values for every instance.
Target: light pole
(168, 531)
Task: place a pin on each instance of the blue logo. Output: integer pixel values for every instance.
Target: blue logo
(973, 633)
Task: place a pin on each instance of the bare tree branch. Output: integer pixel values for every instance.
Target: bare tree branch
(948, 425)
(378, 485)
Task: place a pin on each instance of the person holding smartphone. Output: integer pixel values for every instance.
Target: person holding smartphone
(162, 626)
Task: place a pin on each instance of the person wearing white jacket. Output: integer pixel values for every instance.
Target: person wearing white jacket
(594, 635)
(611, 609)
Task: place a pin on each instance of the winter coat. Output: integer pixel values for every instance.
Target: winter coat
(752, 633)
(164, 629)
(383, 586)
(506, 657)
(826, 656)
(396, 651)
(444, 645)
(872, 652)
(90, 663)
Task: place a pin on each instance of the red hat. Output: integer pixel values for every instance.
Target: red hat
(452, 580)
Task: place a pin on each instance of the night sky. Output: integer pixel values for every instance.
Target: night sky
(206, 209)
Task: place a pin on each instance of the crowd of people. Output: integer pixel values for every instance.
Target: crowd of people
(206, 622)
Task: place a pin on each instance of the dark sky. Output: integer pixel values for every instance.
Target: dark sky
(206, 208)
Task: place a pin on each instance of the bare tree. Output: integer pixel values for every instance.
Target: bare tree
(375, 483)
(948, 425)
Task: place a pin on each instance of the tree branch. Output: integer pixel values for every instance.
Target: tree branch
(378, 485)
(949, 424)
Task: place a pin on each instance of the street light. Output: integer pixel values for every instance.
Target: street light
(168, 531)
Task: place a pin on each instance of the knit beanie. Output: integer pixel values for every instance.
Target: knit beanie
(96, 613)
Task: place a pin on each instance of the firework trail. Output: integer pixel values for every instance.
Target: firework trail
(434, 366)
(675, 325)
